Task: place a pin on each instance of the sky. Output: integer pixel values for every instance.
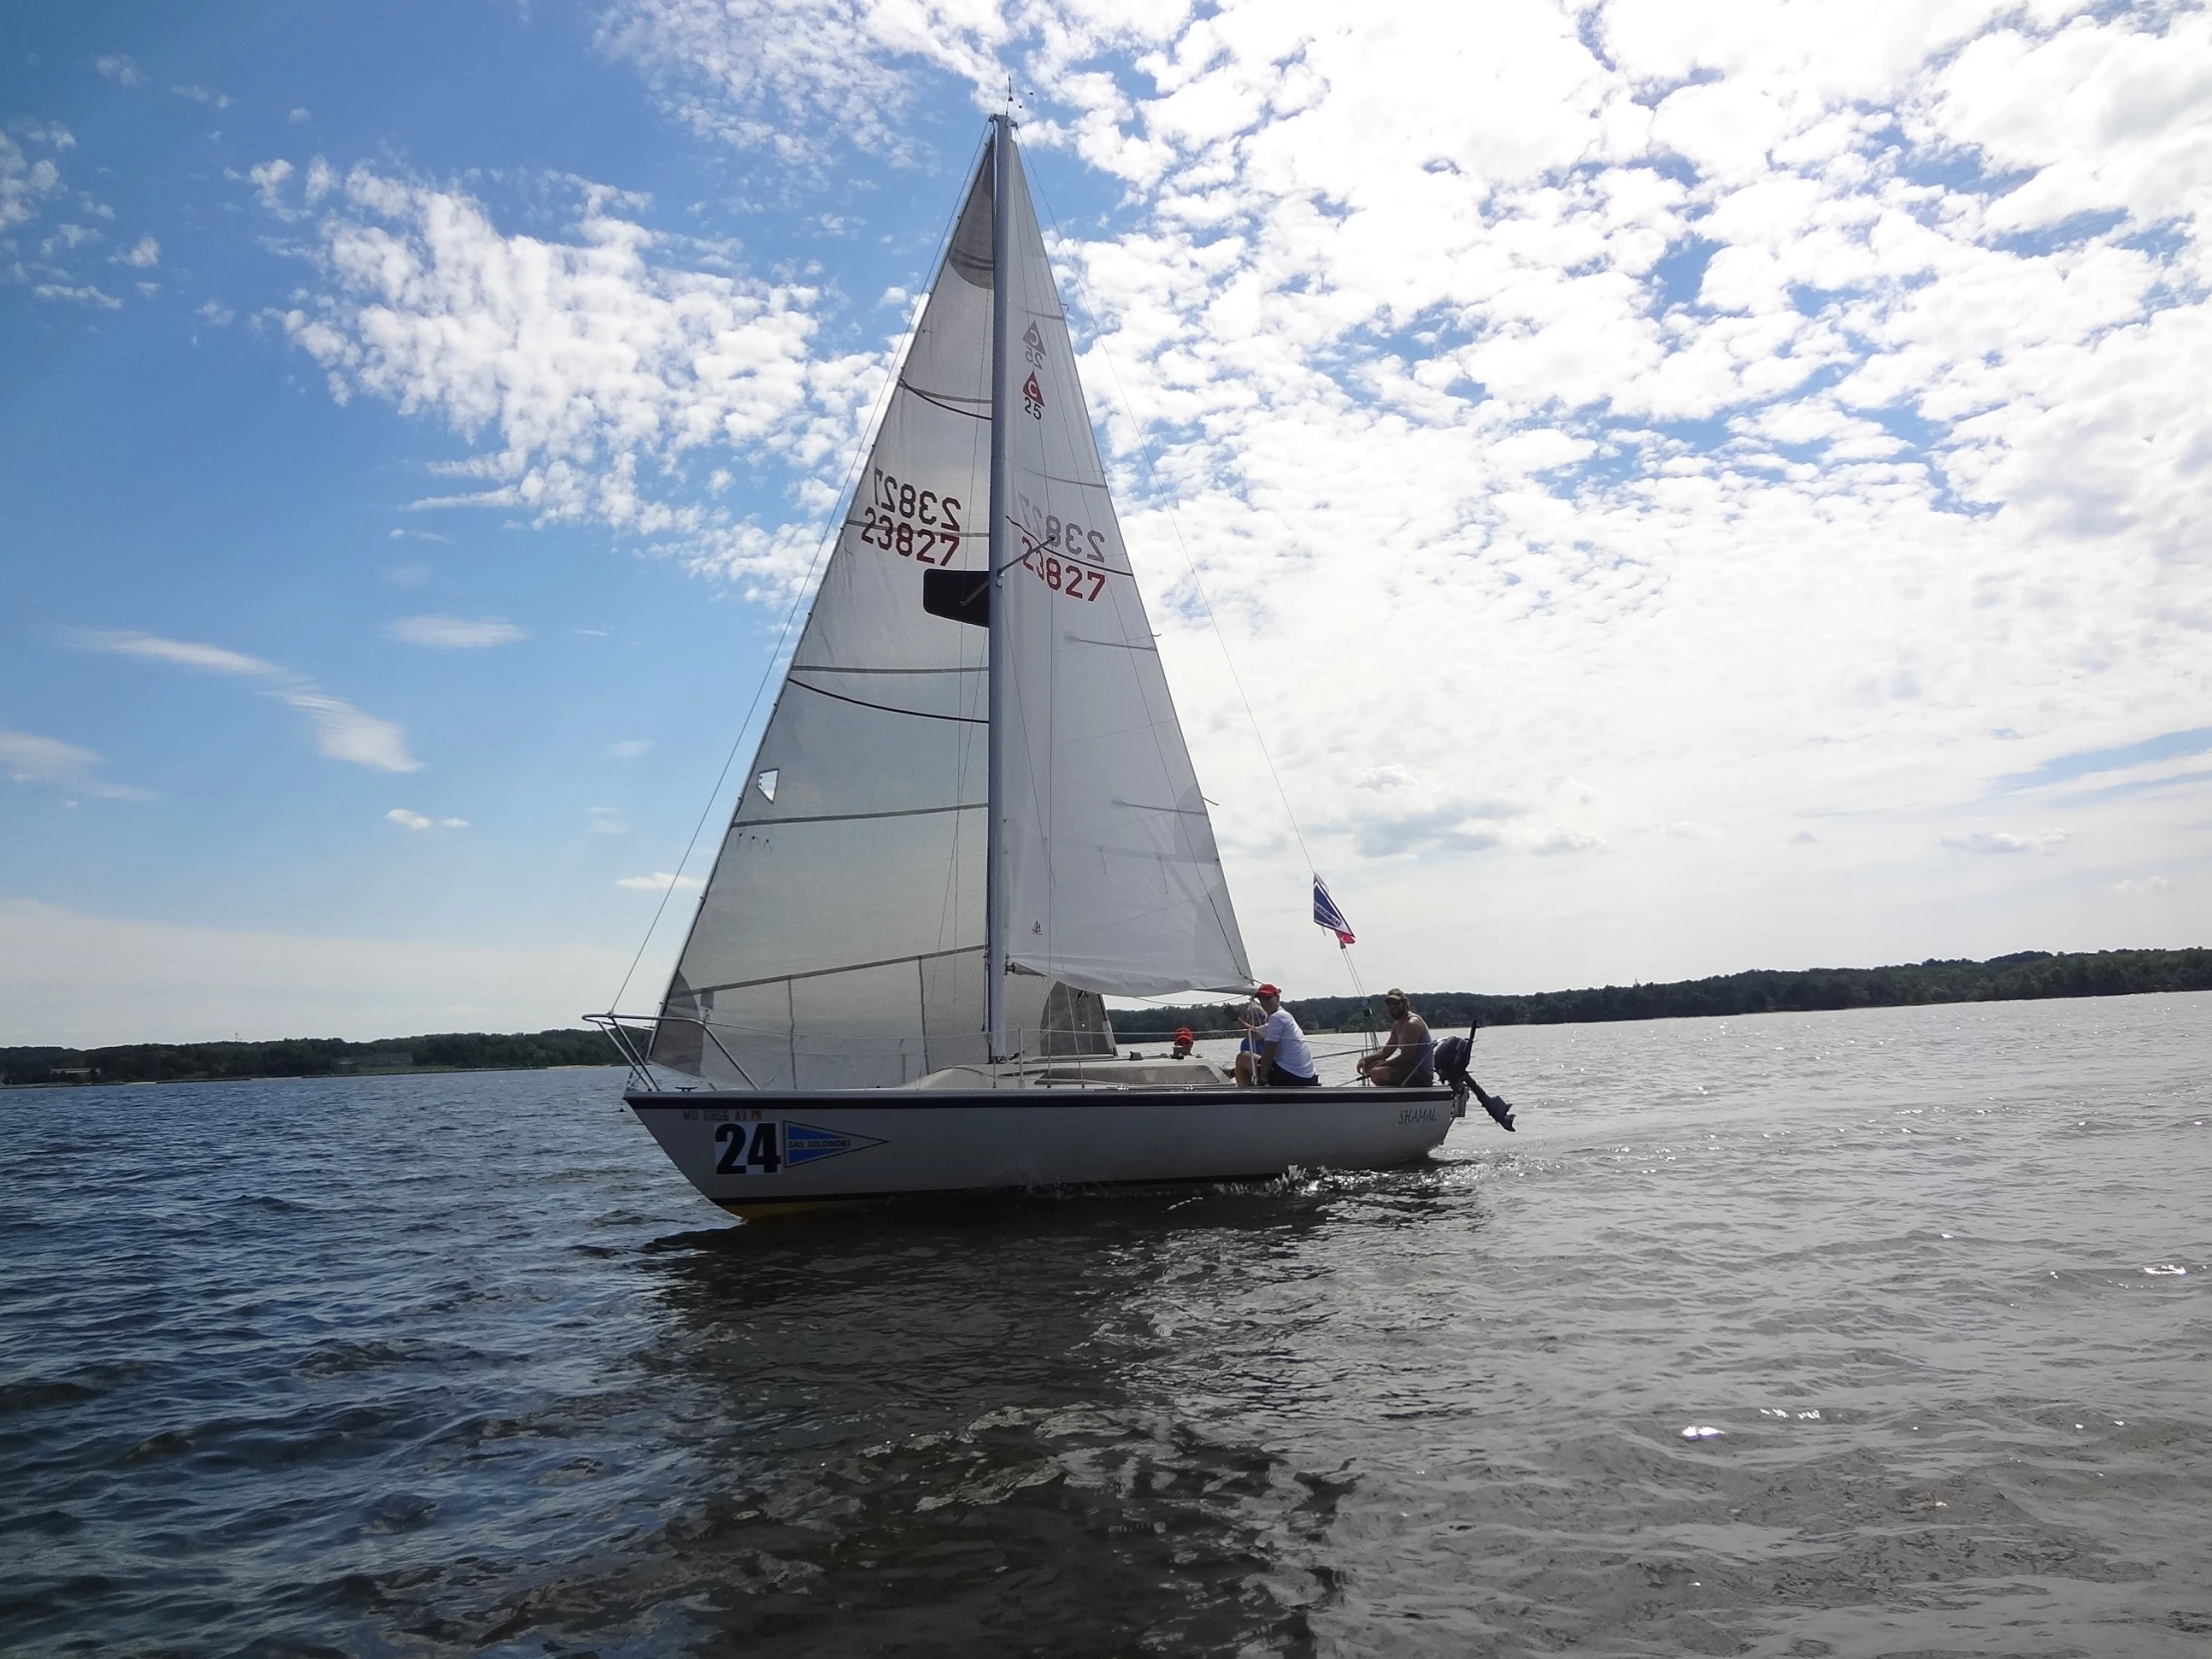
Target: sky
(1628, 490)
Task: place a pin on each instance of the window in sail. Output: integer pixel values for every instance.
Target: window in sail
(766, 783)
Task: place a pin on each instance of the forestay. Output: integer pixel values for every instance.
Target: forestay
(1113, 879)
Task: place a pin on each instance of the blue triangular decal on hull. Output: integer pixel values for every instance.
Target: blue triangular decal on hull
(804, 1144)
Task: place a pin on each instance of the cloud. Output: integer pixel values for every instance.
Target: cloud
(659, 882)
(2150, 884)
(145, 253)
(203, 95)
(1395, 809)
(214, 312)
(607, 821)
(119, 69)
(24, 184)
(1559, 838)
(207, 658)
(416, 821)
(1998, 840)
(452, 633)
(773, 74)
(81, 293)
(629, 749)
(269, 180)
(589, 369)
(300, 117)
(342, 732)
(29, 759)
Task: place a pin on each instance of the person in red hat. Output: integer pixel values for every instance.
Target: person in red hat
(1279, 1057)
(1183, 1042)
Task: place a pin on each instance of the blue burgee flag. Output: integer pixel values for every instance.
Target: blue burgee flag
(1325, 913)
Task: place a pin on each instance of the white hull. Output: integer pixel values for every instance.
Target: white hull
(744, 1149)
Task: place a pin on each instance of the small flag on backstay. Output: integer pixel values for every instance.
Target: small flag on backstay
(1325, 913)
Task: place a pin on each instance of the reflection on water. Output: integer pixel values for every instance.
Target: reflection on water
(446, 1363)
(936, 1419)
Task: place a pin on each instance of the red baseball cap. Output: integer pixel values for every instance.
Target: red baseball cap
(1183, 1034)
(1268, 990)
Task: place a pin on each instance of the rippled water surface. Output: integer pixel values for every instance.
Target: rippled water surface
(459, 1363)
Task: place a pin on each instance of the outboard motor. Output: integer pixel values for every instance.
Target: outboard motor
(1454, 1057)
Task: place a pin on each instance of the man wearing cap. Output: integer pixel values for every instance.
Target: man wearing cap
(1280, 1058)
(1410, 1058)
(1183, 1042)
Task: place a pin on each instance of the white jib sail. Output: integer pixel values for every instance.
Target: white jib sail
(839, 941)
(1113, 879)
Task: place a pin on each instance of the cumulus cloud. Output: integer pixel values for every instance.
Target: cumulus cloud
(269, 180)
(777, 74)
(24, 183)
(145, 253)
(119, 69)
(606, 820)
(342, 732)
(1395, 809)
(590, 370)
(2150, 884)
(629, 749)
(417, 820)
(30, 758)
(2003, 842)
(452, 633)
(202, 95)
(659, 882)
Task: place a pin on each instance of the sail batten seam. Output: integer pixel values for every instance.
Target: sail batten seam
(828, 972)
(889, 708)
(846, 818)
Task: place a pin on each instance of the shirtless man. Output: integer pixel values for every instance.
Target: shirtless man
(1410, 1058)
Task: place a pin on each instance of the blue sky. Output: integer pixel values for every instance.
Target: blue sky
(1686, 490)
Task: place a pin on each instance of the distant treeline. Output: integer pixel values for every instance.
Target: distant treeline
(2024, 975)
(306, 1057)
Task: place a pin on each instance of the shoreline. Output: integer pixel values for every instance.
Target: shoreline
(1124, 1039)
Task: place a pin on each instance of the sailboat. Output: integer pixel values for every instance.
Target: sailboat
(971, 817)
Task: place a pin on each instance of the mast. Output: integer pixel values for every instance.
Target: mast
(994, 889)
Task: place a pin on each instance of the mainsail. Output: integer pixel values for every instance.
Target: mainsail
(841, 938)
(1113, 880)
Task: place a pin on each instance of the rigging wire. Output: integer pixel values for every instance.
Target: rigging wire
(1152, 469)
(831, 531)
(730, 760)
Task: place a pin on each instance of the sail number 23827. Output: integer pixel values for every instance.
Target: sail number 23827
(917, 524)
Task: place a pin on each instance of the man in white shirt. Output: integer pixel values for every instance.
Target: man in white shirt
(1282, 1060)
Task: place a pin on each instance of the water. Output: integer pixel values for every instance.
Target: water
(440, 1363)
